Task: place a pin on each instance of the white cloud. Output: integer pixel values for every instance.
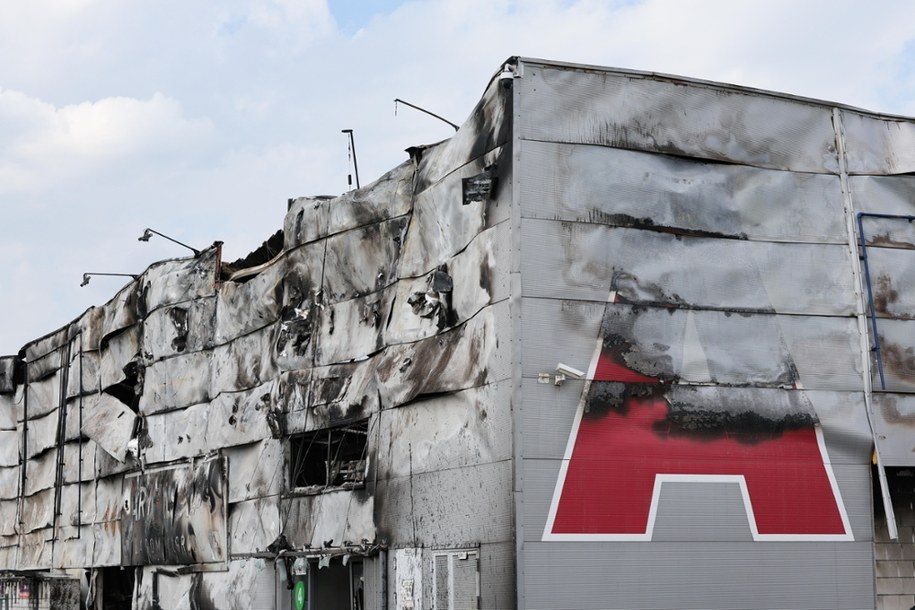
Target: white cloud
(45, 144)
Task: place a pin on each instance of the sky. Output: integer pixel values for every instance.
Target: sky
(200, 119)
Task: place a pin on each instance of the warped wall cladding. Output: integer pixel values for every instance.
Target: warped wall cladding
(162, 428)
(692, 251)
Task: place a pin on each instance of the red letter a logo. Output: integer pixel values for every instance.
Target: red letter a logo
(617, 459)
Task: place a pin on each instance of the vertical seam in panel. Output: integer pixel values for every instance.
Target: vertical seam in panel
(839, 127)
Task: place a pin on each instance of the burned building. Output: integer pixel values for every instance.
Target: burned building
(624, 341)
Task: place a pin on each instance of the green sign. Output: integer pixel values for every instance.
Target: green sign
(301, 596)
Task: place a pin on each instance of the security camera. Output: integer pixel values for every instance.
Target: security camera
(568, 371)
(506, 77)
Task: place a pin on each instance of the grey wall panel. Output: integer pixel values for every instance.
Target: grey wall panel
(41, 472)
(37, 511)
(497, 576)
(9, 517)
(339, 516)
(106, 548)
(35, 550)
(691, 120)
(687, 575)
(119, 349)
(42, 434)
(120, 312)
(9, 448)
(179, 280)
(894, 422)
(243, 363)
(79, 461)
(885, 195)
(242, 307)
(44, 396)
(442, 225)
(897, 351)
(587, 261)
(83, 376)
(9, 483)
(73, 498)
(738, 349)
(478, 277)
(73, 547)
(878, 146)
(445, 431)
(892, 275)
(173, 329)
(363, 260)
(253, 525)
(255, 470)
(353, 329)
(176, 382)
(621, 187)
(488, 127)
(443, 508)
(10, 412)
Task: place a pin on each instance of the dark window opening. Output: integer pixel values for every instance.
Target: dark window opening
(331, 458)
(117, 588)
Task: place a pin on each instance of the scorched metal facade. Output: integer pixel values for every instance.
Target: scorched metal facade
(624, 341)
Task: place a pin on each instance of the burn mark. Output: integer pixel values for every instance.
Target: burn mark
(892, 414)
(746, 427)
(885, 240)
(884, 294)
(898, 359)
(435, 302)
(614, 396)
(295, 332)
(199, 595)
(129, 389)
(598, 216)
(178, 317)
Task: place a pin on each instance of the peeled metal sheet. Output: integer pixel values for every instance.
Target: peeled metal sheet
(173, 329)
(256, 470)
(176, 382)
(442, 225)
(79, 462)
(122, 311)
(253, 525)
(42, 434)
(179, 280)
(363, 260)
(626, 110)
(878, 146)
(697, 346)
(9, 517)
(118, 351)
(311, 218)
(488, 127)
(9, 483)
(629, 188)
(353, 329)
(9, 448)
(230, 419)
(45, 366)
(310, 521)
(110, 424)
(41, 472)
(585, 261)
(242, 307)
(10, 412)
(473, 279)
(35, 550)
(176, 515)
(324, 397)
(91, 327)
(83, 376)
(77, 504)
(454, 430)
(106, 546)
(37, 511)
(8, 366)
(48, 343)
(243, 363)
(74, 547)
(43, 396)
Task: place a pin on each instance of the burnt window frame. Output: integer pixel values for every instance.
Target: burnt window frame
(303, 459)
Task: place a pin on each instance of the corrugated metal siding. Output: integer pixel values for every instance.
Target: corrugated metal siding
(729, 281)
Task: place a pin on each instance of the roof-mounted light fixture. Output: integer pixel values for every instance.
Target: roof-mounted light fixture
(352, 150)
(86, 276)
(147, 233)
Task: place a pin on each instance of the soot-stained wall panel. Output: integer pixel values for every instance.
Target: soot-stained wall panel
(878, 146)
(629, 188)
(455, 430)
(173, 329)
(43, 396)
(694, 120)
(253, 525)
(255, 470)
(587, 261)
(340, 516)
(176, 382)
(363, 260)
(697, 346)
(9, 483)
(242, 307)
(175, 281)
(442, 225)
